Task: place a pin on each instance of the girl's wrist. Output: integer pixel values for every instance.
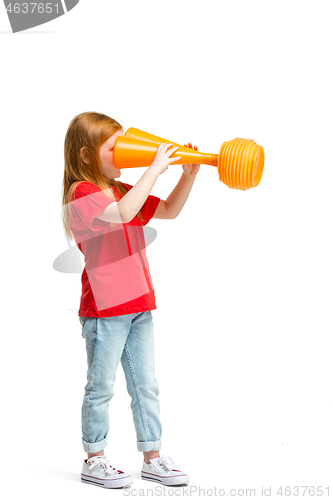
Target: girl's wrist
(151, 173)
(189, 176)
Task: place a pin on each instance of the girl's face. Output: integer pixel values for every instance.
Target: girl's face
(106, 156)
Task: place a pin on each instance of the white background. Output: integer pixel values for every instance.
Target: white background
(243, 280)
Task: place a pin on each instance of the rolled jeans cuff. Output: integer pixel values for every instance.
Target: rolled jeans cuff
(149, 445)
(94, 447)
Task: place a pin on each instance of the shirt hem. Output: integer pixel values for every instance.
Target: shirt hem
(131, 310)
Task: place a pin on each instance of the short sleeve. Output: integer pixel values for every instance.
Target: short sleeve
(148, 208)
(89, 201)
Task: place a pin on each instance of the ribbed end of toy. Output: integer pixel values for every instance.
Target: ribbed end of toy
(240, 163)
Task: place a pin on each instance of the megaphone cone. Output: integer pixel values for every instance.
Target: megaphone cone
(240, 162)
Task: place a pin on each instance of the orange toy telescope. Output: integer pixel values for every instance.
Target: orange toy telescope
(240, 162)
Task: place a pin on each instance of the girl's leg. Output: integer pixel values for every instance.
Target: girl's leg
(147, 455)
(95, 454)
(138, 362)
(105, 340)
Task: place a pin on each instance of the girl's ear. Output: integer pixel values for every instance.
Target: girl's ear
(84, 155)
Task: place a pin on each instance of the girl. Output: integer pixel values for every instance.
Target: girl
(106, 216)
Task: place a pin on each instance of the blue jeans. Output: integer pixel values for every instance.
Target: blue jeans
(130, 339)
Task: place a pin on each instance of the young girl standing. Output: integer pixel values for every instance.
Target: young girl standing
(106, 217)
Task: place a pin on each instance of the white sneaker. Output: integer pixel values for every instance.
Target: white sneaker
(164, 471)
(97, 470)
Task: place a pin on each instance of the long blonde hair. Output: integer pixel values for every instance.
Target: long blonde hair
(87, 130)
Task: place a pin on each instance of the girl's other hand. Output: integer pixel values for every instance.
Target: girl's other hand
(162, 158)
(191, 169)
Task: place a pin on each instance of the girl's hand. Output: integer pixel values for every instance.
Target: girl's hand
(191, 169)
(162, 158)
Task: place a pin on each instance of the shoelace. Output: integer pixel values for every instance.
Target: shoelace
(104, 462)
(166, 463)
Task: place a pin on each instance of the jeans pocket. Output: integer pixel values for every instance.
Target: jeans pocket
(82, 322)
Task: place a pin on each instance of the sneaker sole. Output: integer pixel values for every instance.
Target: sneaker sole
(107, 483)
(166, 481)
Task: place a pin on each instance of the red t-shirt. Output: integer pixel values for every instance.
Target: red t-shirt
(116, 278)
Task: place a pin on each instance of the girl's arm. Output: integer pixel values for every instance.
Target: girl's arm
(173, 205)
(125, 209)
